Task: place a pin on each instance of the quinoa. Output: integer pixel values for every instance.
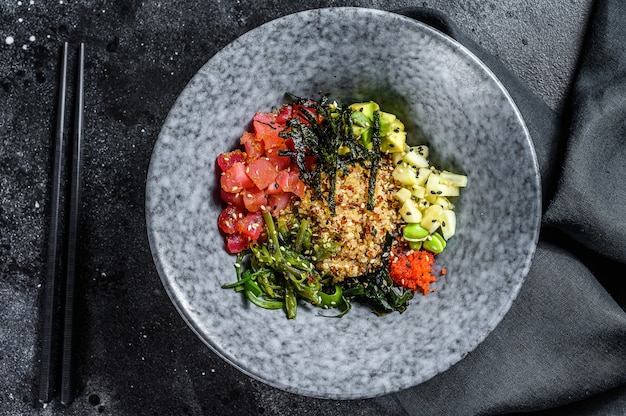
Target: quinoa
(359, 232)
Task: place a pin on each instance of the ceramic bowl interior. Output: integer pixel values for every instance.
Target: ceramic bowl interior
(447, 99)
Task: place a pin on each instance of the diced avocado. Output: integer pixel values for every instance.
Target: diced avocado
(343, 150)
(359, 119)
(367, 108)
(358, 130)
(389, 123)
(393, 137)
(393, 142)
(362, 117)
(365, 138)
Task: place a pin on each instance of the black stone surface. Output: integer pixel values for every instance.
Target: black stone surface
(135, 355)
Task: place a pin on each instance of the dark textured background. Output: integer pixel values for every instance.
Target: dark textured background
(135, 354)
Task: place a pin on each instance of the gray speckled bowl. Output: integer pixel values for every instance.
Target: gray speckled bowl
(447, 99)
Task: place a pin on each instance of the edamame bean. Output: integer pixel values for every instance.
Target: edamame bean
(415, 232)
(415, 245)
(435, 244)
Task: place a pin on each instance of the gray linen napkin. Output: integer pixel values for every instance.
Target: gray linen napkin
(564, 338)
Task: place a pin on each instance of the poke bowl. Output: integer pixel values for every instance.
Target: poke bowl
(447, 100)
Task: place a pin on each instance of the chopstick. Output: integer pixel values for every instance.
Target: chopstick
(67, 395)
(49, 312)
(57, 251)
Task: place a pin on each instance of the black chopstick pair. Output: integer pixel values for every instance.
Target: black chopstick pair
(59, 286)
